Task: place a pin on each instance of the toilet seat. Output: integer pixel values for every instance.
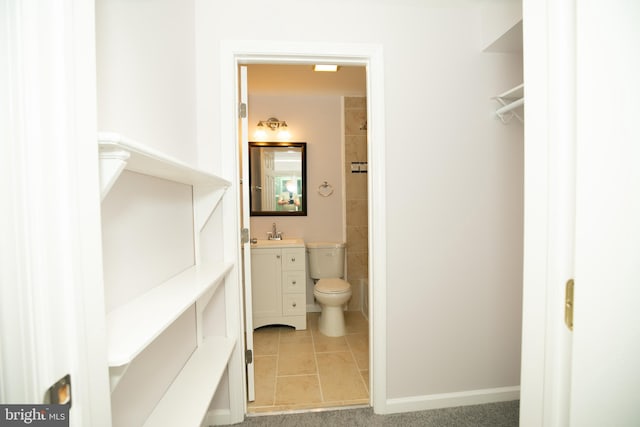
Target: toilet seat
(332, 285)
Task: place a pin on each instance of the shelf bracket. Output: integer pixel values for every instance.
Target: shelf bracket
(112, 163)
(115, 375)
(201, 304)
(209, 199)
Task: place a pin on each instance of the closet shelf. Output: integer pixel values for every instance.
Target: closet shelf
(511, 100)
(187, 400)
(134, 325)
(118, 153)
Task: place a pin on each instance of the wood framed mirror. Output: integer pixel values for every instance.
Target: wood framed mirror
(277, 178)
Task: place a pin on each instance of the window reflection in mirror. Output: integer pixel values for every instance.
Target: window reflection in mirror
(277, 178)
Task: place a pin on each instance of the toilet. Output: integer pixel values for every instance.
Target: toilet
(326, 268)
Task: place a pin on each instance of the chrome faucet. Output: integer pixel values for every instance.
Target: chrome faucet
(274, 234)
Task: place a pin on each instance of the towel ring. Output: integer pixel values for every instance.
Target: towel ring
(325, 189)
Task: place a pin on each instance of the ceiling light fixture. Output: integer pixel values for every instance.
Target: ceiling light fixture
(325, 67)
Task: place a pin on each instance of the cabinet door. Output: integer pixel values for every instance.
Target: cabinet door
(266, 278)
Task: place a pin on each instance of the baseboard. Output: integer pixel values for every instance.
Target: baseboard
(218, 417)
(314, 308)
(448, 400)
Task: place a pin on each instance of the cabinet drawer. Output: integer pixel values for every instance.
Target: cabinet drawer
(293, 281)
(293, 304)
(293, 259)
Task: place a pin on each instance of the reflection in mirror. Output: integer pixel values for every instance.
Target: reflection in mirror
(277, 178)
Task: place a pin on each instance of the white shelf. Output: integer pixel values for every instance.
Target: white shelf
(187, 400)
(118, 153)
(133, 326)
(511, 100)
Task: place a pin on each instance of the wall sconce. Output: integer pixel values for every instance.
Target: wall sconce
(273, 124)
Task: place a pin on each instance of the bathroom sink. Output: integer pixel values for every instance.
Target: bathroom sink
(282, 243)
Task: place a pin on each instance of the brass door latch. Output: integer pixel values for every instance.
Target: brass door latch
(568, 304)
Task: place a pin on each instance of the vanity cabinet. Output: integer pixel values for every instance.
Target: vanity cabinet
(278, 282)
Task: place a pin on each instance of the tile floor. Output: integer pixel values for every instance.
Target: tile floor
(304, 369)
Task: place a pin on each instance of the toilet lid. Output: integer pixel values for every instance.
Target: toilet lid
(332, 286)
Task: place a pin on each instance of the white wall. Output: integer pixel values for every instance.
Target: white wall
(146, 73)
(454, 172)
(454, 177)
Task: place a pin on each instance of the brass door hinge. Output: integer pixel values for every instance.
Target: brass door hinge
(568, 304)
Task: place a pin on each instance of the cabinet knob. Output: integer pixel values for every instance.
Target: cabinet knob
(294, 304)
(294, 282)
(278, 256)
(293, 259)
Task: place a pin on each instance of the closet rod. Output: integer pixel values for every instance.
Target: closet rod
(515, 104)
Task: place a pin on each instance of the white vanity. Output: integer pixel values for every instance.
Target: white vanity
(278, 282)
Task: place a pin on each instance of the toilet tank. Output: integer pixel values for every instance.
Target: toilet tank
(326, 259)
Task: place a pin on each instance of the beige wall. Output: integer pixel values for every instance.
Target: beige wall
(316, 121)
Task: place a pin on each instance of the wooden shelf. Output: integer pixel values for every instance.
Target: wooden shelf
(187, 400)
(118, 153)
(133, 326)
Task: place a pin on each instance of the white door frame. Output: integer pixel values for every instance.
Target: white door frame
(549, 227)
(235, 53)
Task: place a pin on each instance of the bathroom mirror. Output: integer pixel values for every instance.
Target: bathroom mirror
(277, 178)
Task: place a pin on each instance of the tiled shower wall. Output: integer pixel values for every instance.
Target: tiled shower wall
(355, 147)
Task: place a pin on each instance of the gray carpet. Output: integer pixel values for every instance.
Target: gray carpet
(503, 414)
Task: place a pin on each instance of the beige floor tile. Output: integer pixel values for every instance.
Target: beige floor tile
(265, 341)
(340, 377)
(288, 377)
(297, 364)
(291, 334)
(365, 377)
(359, 346)
(312, 321)
(265, 380)
(296, 346)
(355, 322)
(323, 343)
(299, 389)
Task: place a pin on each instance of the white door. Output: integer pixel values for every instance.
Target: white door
(268, 179)
(51, 296)
(605, 388)
(244, 136)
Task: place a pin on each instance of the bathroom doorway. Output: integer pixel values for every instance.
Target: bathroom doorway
(291, 366)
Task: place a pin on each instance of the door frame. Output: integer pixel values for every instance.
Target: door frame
(236, 53)
(549, 212)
